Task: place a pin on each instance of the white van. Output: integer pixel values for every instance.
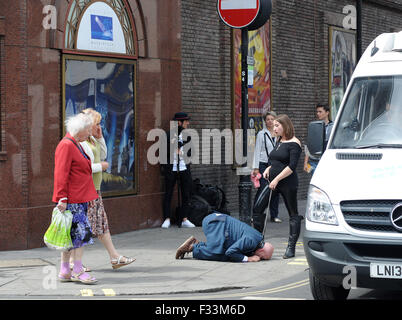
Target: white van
(353, 231)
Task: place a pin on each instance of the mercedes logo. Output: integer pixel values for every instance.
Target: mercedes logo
(396, 216)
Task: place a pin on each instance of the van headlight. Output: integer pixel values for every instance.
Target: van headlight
(319, 208)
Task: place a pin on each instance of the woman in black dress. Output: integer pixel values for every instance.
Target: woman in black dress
(282, 178)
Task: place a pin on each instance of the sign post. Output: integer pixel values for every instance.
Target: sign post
(245, 183)
(245, 15)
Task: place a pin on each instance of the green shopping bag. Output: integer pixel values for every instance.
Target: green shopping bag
(58, 235)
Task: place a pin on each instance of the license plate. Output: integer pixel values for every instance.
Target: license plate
(386, 270)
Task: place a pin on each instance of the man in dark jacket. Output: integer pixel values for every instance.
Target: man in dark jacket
(228, 239)
(311, 161)
(177, 169)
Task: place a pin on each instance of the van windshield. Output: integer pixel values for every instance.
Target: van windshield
(372, 115)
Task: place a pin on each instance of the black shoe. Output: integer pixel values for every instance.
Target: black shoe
(290, 251)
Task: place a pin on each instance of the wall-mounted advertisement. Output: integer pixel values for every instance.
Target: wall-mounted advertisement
(259, 91)
(342, 63)
(100, 30)
(108, 86)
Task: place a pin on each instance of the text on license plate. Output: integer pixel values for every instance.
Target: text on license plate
(386, 270)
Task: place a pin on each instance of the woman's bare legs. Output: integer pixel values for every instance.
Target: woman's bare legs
(106, 239)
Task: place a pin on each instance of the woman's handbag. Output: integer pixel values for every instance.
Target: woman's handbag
(58, 235)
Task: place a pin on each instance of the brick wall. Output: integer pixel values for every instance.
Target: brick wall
(299, 67)
(206, 91)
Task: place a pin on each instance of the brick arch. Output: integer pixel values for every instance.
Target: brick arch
(135, 15)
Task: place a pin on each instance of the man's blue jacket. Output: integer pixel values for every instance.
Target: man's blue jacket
(228, 239)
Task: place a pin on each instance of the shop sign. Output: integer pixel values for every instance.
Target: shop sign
(100, 30)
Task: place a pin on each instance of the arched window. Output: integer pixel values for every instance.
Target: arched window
(84, 9)
(99, 72)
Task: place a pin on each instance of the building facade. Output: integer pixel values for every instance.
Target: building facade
(59, 55)
(300, 67)
(138, 62)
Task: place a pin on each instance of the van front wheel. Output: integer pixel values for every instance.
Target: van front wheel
(321, 291)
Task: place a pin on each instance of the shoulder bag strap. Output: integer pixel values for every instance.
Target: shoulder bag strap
(79, 148)
(265, 143)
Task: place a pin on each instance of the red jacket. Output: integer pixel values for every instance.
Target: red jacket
(72, 174)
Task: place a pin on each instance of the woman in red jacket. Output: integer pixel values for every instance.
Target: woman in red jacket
(73, 189)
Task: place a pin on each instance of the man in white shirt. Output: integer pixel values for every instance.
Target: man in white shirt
(177, 170)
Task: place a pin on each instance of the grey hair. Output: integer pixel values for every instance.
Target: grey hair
(78, 123)
(269, 113)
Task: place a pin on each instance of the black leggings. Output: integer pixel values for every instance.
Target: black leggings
(289, 195)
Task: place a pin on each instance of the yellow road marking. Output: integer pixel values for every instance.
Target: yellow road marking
(109, 292)
(87, 293)
(298, 244)
(299, 261)
(289, 286)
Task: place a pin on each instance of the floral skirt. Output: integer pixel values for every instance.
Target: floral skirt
(97, 216)
(81, 233)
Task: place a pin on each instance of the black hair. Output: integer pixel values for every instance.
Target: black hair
(324, 106)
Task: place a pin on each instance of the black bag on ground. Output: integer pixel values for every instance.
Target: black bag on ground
(214, 195)
(199, 209)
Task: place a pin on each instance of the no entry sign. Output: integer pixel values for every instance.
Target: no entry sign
(238, 13)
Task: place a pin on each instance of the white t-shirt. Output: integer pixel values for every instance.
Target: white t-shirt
(182, 164)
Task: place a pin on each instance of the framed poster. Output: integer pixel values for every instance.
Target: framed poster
(342, 63)
(108, 86)
(259, 86)
(260, 93)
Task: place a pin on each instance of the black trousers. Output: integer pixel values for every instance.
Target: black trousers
(289, 194)
(185, 190)
(273, 207)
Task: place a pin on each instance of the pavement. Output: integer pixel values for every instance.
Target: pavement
(33, 273)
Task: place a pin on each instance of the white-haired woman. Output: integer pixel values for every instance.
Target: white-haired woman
(96, 149)
(73, 189)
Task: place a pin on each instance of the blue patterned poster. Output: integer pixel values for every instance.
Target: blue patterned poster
(101, 27)
(108, 87)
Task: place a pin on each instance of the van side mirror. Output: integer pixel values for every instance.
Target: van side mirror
(316, 138)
